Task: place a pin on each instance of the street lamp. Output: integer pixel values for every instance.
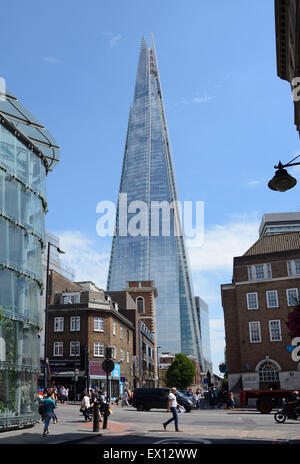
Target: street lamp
(157, 366)
(282, 180)
(46, 309)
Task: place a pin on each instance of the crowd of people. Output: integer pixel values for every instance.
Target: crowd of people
(212, 398)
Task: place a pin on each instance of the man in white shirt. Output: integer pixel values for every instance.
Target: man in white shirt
(172, 405)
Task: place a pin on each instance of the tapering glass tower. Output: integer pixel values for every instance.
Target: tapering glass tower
(148, 176)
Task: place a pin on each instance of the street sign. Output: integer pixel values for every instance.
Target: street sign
(108, 365)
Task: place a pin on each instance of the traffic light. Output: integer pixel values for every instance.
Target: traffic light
(108, 352)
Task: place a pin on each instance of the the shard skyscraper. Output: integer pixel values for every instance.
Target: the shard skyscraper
(148, 176)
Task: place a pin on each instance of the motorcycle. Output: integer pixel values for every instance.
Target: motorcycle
(286, 412)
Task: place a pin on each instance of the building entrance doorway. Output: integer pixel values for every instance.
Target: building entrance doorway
(268, 376)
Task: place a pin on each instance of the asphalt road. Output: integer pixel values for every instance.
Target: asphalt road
(199, 426)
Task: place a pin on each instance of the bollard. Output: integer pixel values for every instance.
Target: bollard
(96, 417)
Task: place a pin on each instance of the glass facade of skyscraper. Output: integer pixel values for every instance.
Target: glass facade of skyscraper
(27, 153)
(148, 176)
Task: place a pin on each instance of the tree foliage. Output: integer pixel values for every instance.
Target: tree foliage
(181, 372)
(293, 323)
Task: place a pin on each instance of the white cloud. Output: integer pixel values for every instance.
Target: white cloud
(51, 60)
(221, 244)
(114, 40)
(253, 183)
(198, 100)
(83, 256)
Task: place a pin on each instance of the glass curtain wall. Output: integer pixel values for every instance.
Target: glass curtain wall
(22, 209)
(148, 176)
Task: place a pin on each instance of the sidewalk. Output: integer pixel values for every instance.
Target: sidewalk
(70, 427)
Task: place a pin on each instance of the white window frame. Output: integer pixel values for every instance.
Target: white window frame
(270, 331)
(59, 323)
(247, 297)
(121, 332)
(75, 323)
(294, 303)
(68, 298)
(58, 349)
(266, 268)
(122, 355)
(74, 348)
(114, 352)
(250, 331)
(98, 324)
(99, 349)
(114, 328)
(291, 267)
(267, 298)
(128, 357)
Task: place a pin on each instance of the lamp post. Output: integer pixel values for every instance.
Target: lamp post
(157, 366)
(46, 310)
(282, 180)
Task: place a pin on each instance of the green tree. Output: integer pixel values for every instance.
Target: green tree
(181, 373)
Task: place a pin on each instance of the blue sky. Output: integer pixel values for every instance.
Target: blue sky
(230, 118)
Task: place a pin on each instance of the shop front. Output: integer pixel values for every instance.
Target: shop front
(98, 379)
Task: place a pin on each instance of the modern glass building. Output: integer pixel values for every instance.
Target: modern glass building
(27, 153)
(148, 177)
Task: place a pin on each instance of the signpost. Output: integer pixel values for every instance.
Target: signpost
(108, 366)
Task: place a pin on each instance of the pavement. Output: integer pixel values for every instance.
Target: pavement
(128, 426)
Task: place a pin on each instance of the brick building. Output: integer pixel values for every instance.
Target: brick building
(81, 315)
(264, 289)
(137, 303)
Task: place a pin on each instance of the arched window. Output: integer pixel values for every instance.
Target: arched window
(268, 372)
(140, 304)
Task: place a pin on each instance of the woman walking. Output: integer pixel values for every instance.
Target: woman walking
(50, 405)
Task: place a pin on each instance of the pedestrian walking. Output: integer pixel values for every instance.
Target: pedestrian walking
(231, 400)
(125, 399)
(172, 405)
(54, 416)
(63, 394)
(86, 406)
(49, 406)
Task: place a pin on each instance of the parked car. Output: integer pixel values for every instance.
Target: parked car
(145, 399)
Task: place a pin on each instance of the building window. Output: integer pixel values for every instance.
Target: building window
(74, 348)
(260, 271)
(275, 331)
(98, 324)
(58, 324)
(293, 267)
(140, 303)
(122, 355)
(254, 330)
(58, 348)
(128, 356)
(114, 352)
(70, 298)
(98, 349)
(75, 324)
(114, 328)
(292, 296)
(127, 333)
(268, 372)
(252, 301)
(272, 299)
(121, 333)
